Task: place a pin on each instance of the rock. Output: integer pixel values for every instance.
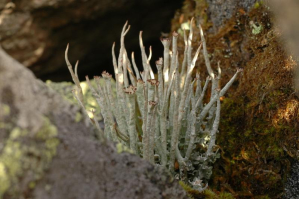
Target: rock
(292, 183)
(36, 32)
(258, 133)
(222, 10)
(47, 151)
(286, 18)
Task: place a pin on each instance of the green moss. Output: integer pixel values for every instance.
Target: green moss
(206, 194)
(190, 191)
(225, 195)
(187, 188)
(262, 197)
(209, 194)
(26, 153)
(259, 113)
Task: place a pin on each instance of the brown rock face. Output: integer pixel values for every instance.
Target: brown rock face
(36, 32)
(259, 115)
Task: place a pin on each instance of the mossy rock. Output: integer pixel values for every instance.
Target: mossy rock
(258, 137)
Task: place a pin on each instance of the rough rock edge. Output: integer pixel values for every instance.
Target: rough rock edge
(292, 183)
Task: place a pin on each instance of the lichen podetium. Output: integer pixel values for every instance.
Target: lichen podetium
(161, 119)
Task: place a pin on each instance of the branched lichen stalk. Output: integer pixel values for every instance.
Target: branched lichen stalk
(214, 130)
(130, 95)
(74, 75)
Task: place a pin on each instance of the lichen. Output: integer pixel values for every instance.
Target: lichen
(78, 117)
(256, 29)
(122, 148)
(65, 90)
(32, 185)
(25, 153)
(4, 125)
(258, 4)
(5, 109)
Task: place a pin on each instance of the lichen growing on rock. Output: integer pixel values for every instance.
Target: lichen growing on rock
(65, 90)
(26, 153)
(82, 167)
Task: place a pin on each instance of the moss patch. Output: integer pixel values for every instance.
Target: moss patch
(258, 127)
(206, 194)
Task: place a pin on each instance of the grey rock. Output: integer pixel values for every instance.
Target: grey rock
(79, 166)
(221, 10)
(292, 185)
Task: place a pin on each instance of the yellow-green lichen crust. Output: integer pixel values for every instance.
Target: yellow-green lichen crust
(26, 155)
(78, 117)
(4, 109)
(122, 148)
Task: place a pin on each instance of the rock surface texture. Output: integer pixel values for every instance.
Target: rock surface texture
(47, 149)
(292, 184)
(222, 10)
(286, 17)
(36, 32)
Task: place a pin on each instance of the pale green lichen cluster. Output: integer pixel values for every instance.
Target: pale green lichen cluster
(122, 148)
(5, 109)
(164, 118)
(4, 112)
(256, 29)
(27, 155)
(78, 117)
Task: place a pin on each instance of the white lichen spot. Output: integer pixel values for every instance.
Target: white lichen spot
(256, 29)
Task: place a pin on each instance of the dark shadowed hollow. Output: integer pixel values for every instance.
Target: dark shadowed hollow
(42, 30)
